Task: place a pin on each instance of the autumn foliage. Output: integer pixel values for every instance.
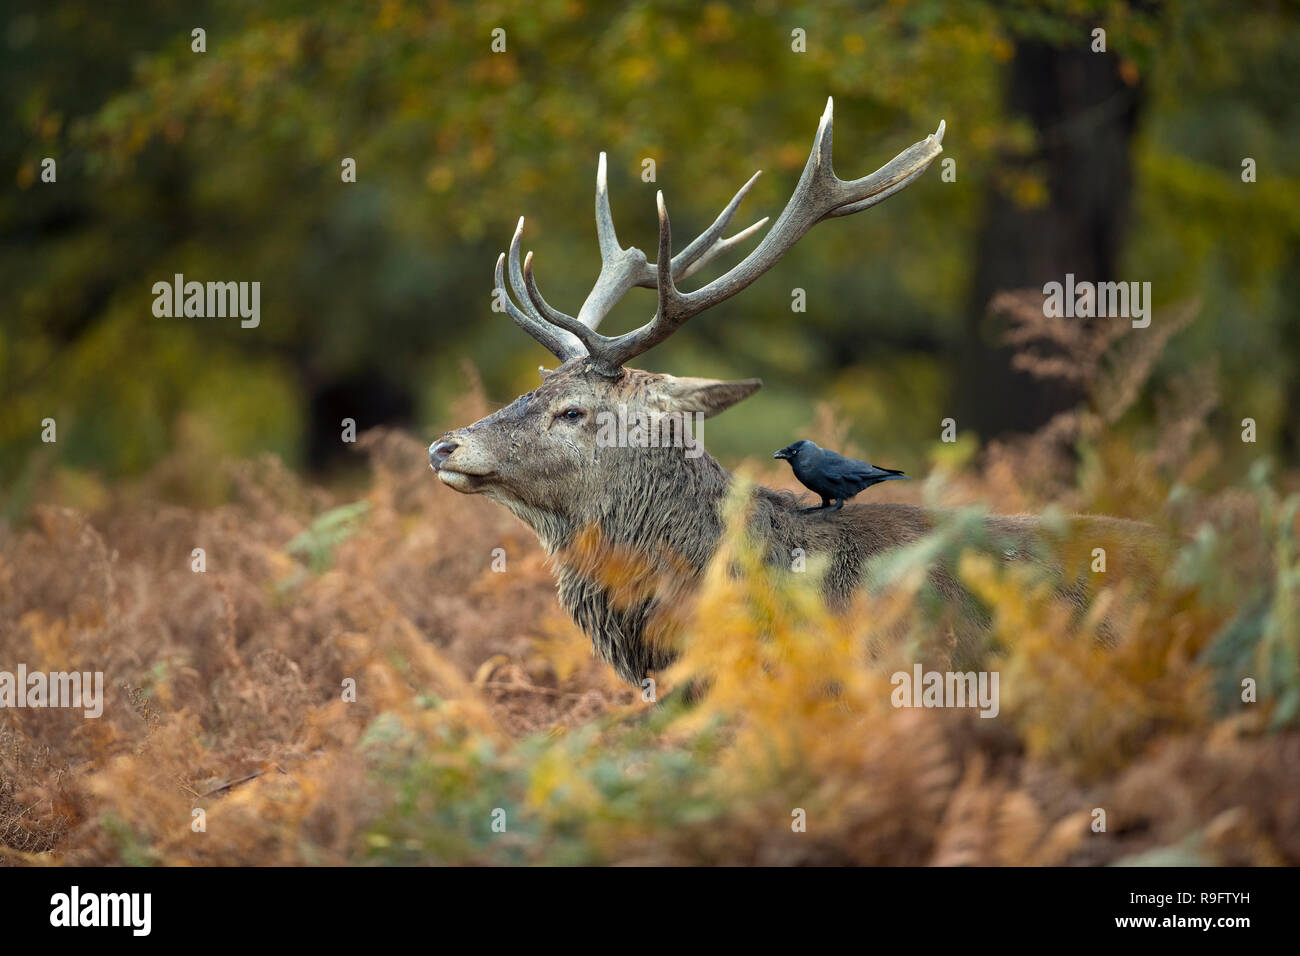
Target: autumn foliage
(476, 700)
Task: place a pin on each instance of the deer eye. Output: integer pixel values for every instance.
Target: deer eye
(571, 414)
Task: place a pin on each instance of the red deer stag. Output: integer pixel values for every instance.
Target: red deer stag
(630, 529)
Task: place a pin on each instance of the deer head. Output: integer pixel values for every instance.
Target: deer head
(540, 455)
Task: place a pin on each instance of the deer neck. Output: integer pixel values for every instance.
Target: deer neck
(636, 554)
(664, 508)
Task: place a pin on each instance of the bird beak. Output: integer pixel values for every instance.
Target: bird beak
(777, 454)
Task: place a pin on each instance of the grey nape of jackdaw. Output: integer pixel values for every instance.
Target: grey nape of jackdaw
(830, 474)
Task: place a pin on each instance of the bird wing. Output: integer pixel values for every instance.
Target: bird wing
(849, 475)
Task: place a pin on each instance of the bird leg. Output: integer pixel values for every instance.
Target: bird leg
(826, 503)
(839, 503)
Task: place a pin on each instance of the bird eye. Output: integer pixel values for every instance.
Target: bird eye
(571, 414)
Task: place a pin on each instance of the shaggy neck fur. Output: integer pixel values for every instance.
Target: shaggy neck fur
(626, 569)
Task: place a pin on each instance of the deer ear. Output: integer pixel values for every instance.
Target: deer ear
(709, 396)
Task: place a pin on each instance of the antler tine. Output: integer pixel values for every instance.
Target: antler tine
(880, 196)
(516, 274)
(590, 339)
(820, 194)
(670, 300)
(709, 244)
(562, 348)
(621, 269)
(717, 249)
(609, 247)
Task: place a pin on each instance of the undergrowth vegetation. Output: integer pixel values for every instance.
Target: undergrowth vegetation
(477, 702)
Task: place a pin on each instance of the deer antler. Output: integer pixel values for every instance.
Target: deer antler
(819, 195)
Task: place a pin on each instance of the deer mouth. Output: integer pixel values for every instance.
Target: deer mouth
(455, 475)
(464, 481)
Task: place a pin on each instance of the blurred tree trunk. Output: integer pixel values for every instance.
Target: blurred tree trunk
(1290, 346)
(369, 397)
(1084, 114)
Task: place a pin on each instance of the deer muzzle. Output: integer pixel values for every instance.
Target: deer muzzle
(439, 452)
(459, 465)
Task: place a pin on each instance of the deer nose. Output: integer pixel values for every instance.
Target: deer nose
(439, 452)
